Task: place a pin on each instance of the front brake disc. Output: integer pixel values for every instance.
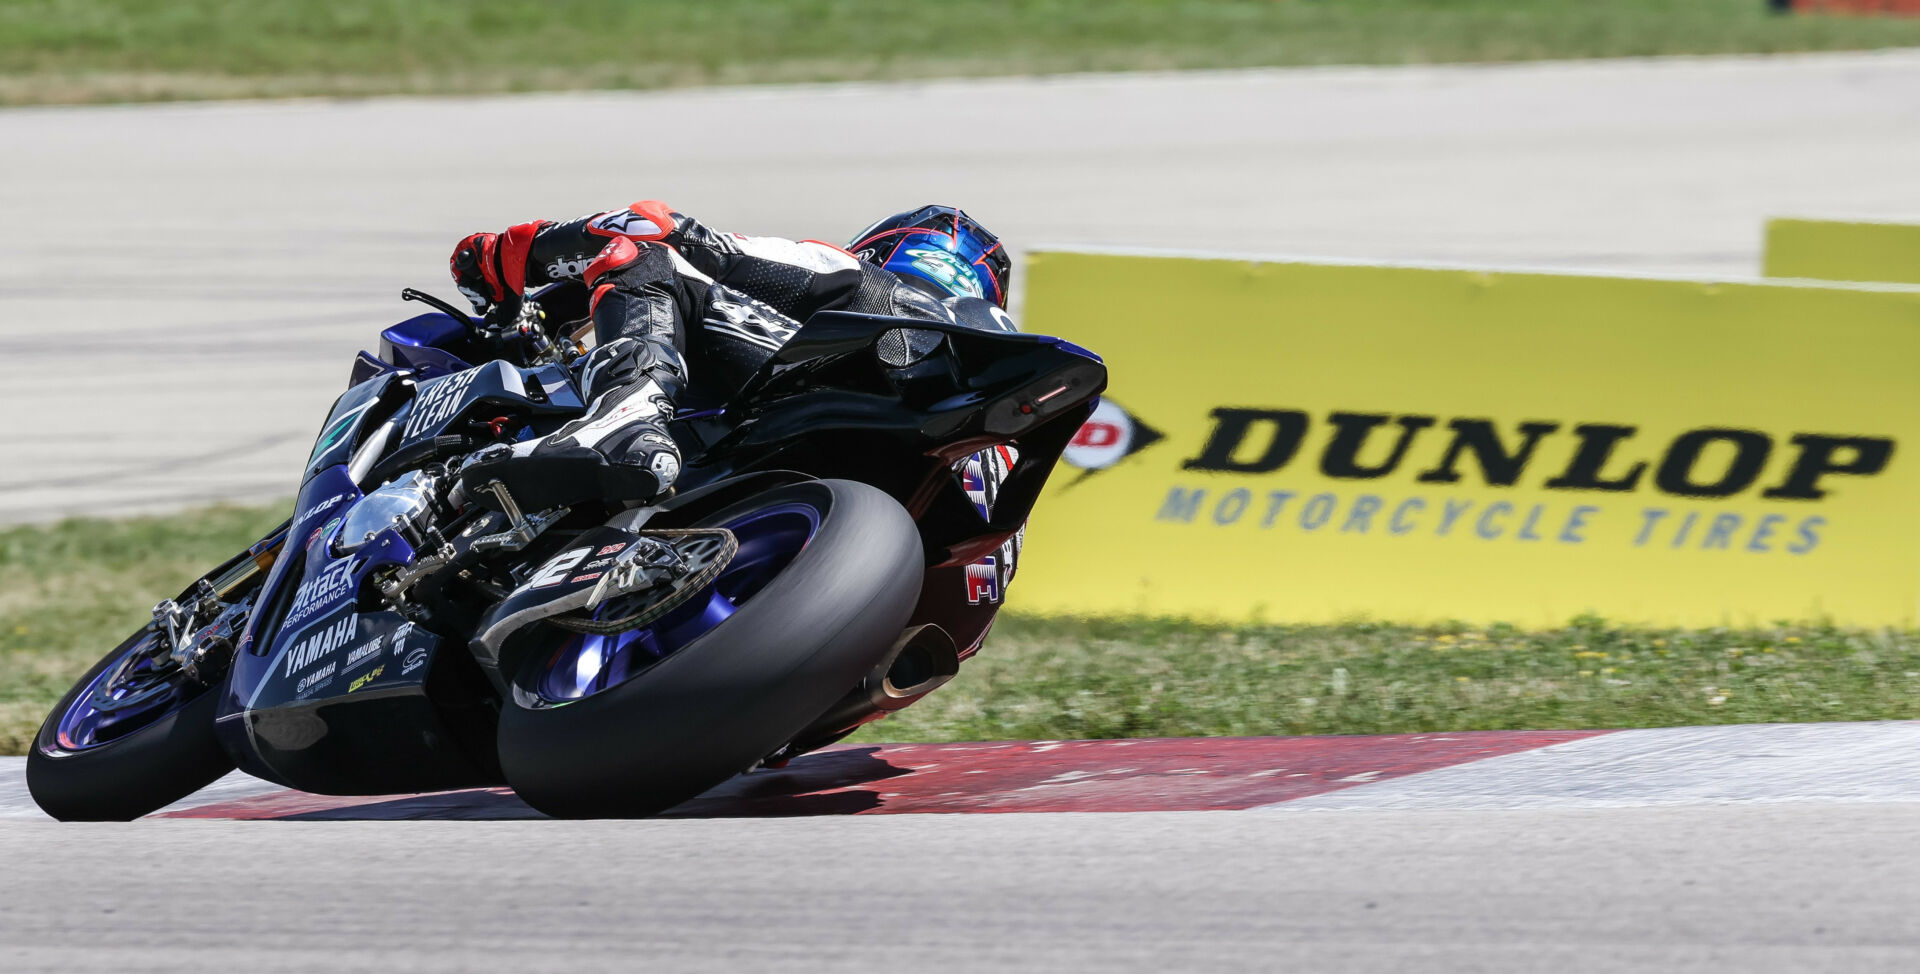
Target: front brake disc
(704, 552)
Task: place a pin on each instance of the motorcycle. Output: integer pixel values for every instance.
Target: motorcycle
(839, 541)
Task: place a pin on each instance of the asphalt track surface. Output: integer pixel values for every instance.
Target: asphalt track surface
(182, 287)
(1651, 889)
(1759, 848)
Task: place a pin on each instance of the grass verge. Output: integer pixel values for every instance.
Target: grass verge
(69, 592)
(1064, 678)
(72, 591)
(66, 51)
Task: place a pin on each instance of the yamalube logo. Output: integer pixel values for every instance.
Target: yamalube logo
(1109, 436)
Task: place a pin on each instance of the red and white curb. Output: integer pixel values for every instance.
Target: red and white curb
(1857, 762)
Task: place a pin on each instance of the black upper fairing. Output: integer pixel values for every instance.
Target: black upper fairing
(828, 404)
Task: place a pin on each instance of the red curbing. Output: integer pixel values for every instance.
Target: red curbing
(1142, 775)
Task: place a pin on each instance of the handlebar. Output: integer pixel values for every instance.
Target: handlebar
(525, 327)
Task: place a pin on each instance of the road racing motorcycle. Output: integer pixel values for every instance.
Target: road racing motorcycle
(838, 542)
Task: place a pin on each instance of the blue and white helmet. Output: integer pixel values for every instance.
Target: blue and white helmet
(943, 246)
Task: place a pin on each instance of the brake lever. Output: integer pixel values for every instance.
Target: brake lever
(447, 307)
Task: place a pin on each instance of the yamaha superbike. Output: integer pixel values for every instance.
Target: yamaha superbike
(838, 542)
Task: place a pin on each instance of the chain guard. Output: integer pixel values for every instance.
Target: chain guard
(706, 552)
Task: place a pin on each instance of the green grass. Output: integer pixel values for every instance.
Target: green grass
(1065, 679)
(73, 591)
(69, 592)
(116, 50)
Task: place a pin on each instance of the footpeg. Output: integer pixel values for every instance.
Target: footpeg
(521, 529)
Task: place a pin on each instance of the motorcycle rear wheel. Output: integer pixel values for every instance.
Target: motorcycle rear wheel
(789, 641)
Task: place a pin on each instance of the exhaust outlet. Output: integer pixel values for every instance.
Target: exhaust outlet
(922, 660)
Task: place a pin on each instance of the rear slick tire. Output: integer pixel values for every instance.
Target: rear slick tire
(741, 690)
(121, 780)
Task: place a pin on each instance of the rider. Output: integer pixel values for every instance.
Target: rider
(675, 301)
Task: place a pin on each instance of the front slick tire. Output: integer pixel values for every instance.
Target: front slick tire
(738, 692)
(123, 779)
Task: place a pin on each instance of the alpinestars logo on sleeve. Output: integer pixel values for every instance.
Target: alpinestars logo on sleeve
(628, 224)
(569, 268)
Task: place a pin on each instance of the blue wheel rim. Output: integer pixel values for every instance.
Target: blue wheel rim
(584, 664)
(143, 695)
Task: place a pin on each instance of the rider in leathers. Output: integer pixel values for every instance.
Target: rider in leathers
(677, 302)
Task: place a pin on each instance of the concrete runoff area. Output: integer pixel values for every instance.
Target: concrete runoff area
(182, 286)
(1740, 764)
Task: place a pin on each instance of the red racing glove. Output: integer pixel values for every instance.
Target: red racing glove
(491, 268)
(475, 265)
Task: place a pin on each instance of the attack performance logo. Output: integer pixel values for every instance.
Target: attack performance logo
(1109, 436)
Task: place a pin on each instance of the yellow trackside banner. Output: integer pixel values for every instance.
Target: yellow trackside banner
(1833, 251)
(1308, 442)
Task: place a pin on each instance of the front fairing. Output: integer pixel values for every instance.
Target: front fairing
(323, 675)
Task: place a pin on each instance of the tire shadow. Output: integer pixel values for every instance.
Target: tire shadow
(822, 783)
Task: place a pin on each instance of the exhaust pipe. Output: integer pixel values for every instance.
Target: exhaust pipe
(921, 661)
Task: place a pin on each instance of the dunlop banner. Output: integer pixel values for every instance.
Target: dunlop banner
(1833, 251)
(1314, 442)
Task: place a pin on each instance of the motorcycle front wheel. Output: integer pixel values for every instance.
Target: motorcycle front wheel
(129, 738)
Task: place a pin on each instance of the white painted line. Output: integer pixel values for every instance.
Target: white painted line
(1736, 765)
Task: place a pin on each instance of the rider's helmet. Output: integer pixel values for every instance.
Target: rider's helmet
(942, 246)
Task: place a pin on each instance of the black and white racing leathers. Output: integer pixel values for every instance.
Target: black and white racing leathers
(674, 303)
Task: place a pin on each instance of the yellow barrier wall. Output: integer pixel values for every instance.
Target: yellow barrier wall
(1833, 251)
(1302, 442)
